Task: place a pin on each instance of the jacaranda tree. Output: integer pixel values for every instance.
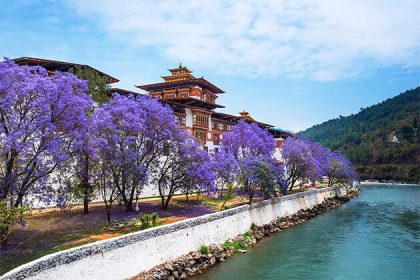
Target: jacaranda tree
(226, 168)
(253, 148)
(41, 116)
(340, 170)
(248, 140)
(318, 159)
(306, 160)
(297, 160)
(185, 164)
(130, 134)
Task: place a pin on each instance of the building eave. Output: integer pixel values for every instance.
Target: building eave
(55, 65)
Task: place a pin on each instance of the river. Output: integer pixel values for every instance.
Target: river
(375, 236)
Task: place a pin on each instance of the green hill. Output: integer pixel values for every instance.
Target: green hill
(366, 138)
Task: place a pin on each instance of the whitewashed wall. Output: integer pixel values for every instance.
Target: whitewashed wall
(128, 255)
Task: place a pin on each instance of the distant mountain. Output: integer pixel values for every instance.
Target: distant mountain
(381, 140)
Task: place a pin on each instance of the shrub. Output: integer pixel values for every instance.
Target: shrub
(148, 220)
(237, 245)
(229, 195)
(253, 226)
(204, 249)
(247, 234)
(9, 216)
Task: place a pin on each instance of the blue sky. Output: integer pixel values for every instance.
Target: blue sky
(289, 63)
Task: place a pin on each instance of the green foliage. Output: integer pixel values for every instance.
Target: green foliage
(98, 85)
(204, 249)
(9, 216)
(266, 176)
(237, 245)
(229, 195)
(365, 138)
(253, 226)
(248, 237)
(148, 220)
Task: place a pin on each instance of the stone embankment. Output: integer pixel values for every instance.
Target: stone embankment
(195, 262)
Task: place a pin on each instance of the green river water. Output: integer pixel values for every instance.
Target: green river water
(375, 236)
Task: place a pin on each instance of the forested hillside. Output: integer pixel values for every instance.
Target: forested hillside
(367, 138)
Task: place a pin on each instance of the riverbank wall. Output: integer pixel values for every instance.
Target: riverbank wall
(125, 256)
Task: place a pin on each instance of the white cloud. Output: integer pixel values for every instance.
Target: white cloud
(318, 40)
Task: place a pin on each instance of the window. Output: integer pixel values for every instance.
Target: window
(200, 135)
(169, 95)
(182, 120)
(216, 139)
(184, 94)
(201, 119)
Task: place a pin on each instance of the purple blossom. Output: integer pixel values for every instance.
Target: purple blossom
(340, 170)
(41, 116)
(307, 160)
(247, 140)
(253, 149)
(185, 167)
(226, 168)
(130, 134)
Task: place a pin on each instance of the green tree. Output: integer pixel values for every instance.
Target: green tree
(98, 84)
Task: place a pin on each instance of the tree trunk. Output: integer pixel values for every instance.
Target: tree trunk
(108, 209)
(167, 201)
(85, 205)
(129, 206)
(128, 202)
(19, 200)
(292, 184)
(162, 198)
(86, 186)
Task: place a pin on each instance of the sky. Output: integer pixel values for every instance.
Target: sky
(292, 64)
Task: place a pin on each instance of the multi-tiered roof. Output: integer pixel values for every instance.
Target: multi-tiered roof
(182, 87)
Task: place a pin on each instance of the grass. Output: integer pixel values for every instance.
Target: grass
(204, 249)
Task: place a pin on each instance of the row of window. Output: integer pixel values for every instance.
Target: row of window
(203, 120)
(221, 126)
(204, 97)
(174, 95)
(200, 119)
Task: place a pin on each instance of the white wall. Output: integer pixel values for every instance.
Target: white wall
(128, 255)
(188, 117)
